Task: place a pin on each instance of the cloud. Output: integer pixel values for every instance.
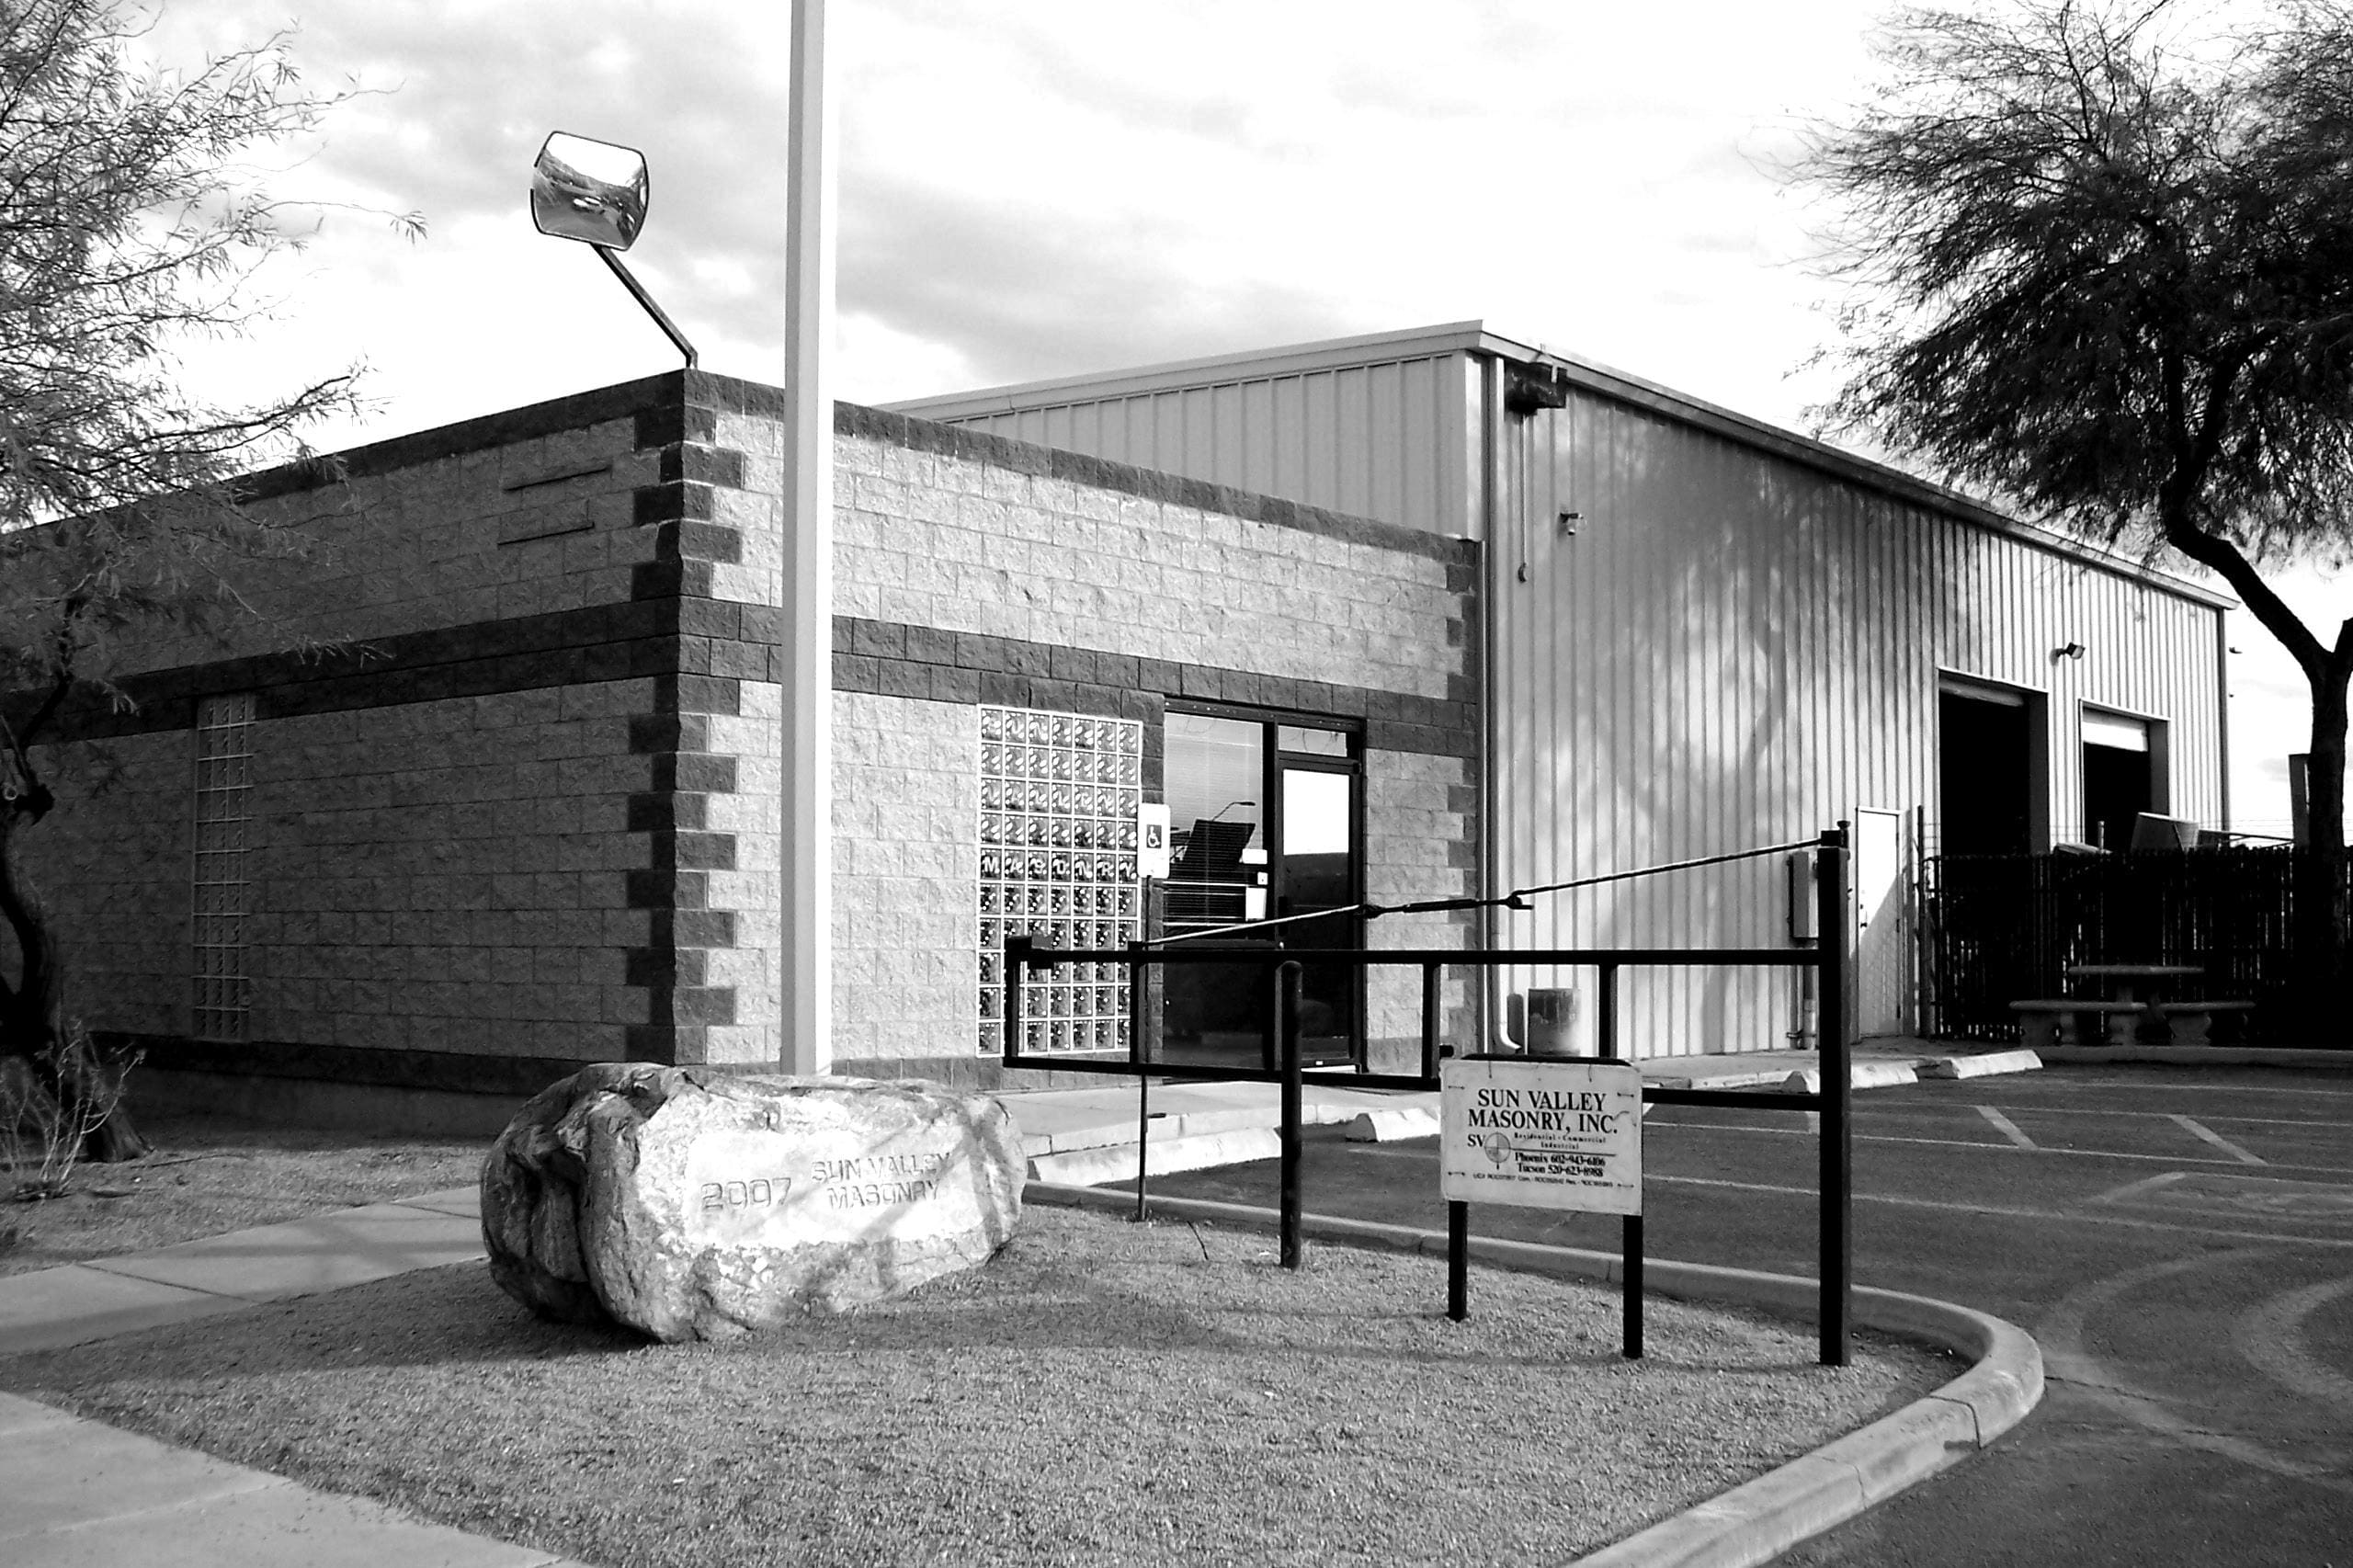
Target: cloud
(1024, 293)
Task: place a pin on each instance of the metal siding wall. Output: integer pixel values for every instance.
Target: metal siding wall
(1386, 441)
(1735, 650)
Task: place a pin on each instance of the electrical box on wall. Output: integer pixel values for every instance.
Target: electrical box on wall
(1804, 905)
(1152, 840)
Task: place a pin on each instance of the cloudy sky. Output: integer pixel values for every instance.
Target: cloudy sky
(1034, 188)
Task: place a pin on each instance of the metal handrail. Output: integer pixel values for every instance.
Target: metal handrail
(1828, 958)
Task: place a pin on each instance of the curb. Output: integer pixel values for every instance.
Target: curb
(1165, 1156)
(2203, 1055)
(1862, 1076)
(1759, 1519)
(1868, 1072)
(1390, 1126)
(1988, 1065)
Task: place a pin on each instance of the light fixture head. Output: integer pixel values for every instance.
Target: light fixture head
(591, 191)
(2072, 651)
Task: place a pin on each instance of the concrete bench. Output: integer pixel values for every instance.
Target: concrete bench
(2052, 1021)
(2186, 1023)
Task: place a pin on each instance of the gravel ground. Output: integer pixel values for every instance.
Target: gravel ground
(1103, 1392)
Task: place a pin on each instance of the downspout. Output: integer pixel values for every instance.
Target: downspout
(2222, 708)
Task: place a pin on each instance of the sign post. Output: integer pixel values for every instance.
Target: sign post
(1540, 1133)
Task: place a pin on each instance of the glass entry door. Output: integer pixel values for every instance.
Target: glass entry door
(1318, 868)
(1265, 821)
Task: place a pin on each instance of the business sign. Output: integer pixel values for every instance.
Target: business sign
(1541, 1135)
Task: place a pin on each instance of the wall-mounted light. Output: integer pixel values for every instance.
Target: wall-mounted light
(1569, 521)
(1530, 389)
(2072, 651)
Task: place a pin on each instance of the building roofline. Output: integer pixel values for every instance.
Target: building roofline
(1586, 375)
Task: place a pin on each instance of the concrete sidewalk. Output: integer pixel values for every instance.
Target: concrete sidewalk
(83, 1494)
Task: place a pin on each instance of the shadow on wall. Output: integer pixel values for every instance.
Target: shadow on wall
(1734, 657)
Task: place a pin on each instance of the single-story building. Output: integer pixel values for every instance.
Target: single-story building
(1700, 635)
(1423, 616)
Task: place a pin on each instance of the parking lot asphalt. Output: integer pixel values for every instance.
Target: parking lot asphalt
(2180, 1241)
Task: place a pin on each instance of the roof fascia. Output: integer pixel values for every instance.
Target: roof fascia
(1415, 343)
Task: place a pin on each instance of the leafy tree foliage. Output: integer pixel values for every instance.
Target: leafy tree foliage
(2104, 269)
(130, 226)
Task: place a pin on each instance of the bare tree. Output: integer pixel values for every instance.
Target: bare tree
(2104, 270)
(130, 225)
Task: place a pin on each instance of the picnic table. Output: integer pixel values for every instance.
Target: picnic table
(2126, 980)
(2136, 995)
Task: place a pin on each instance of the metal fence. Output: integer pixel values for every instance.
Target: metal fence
(1999, 928)
(1831, 963)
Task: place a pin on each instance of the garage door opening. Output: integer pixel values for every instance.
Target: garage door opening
(1991, 770)
(2123, 776)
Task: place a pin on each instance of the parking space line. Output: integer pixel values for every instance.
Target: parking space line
(2199, 1129)
(2141, 1189)
(2237, 1154)
(1925, 1112)
(2005, 1127)
(2005, 1212)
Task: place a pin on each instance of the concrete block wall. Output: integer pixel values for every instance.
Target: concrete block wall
(1421, 811)
(450, 876)
(111, 864)
(523, 811)
(907, 864)
(416, 536)
(971, 569)
(518, 811)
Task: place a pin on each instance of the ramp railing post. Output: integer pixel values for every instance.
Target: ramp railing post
(1457, 1213)
(1630, 1229)
(1430, 973)
(1287, 990)
(1138, 1055)
(1836, 925)
(1458, 1260)
(1016, 978)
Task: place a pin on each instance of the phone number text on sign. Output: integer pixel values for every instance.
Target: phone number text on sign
(1541, 1135)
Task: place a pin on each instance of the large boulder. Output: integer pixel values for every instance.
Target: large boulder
(695, 1206)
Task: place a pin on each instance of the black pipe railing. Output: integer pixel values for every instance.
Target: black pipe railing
(1828, 958)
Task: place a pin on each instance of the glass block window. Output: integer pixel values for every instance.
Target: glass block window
(224, 751)
(1059, 793)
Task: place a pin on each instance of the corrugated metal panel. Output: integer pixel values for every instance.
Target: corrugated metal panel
(1735, 650)
(1741, 644)
(1384, 440)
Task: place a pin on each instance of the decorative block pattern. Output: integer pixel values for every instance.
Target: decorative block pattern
(1058, 798)
(740, 772)
(225, 754)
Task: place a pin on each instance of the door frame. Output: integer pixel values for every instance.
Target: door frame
(1273, 762)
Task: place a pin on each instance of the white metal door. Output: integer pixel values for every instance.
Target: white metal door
(1882, 886)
